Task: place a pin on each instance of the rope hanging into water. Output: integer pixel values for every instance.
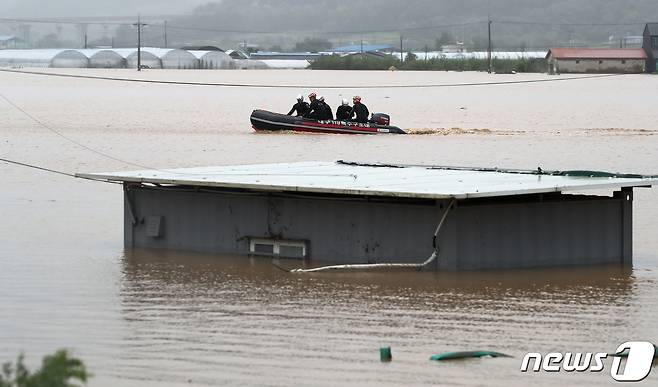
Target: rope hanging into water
(141, 166)
(285, 86)
(379, 266)
(44, 169)
(67, 138)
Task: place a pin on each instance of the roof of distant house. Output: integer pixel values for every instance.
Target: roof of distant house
(653, 28)
(597, 53)
(201, 48)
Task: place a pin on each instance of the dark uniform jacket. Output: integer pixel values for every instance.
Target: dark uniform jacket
(314, 110)
(343, 113)
(361, 112)
(300, 107)
(325, 112)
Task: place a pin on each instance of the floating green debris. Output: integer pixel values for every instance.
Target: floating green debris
(466, 355)
(385, 354)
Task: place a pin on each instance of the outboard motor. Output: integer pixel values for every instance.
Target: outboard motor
(380, 119)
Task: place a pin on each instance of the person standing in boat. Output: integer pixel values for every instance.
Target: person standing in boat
(359, 110)
(325, 110)
(301, 107)
(314, 110)
(344, 111)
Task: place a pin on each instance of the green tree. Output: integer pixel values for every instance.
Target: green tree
(58, 370)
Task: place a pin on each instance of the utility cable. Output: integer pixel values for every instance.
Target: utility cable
(67, 138)
(332, 87)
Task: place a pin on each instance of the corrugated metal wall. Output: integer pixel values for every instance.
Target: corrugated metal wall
(563, 233)
(523, 232)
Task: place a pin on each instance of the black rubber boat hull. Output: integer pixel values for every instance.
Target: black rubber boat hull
(262, 120)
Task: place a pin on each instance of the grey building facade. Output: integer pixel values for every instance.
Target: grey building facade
(509, 232)
(650, 46)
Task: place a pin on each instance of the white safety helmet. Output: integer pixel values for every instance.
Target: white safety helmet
(346, 102)
(300, 98)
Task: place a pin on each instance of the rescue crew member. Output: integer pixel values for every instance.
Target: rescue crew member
(344, 111)
(300, 107)
(359, 110)
(314, 110)
(325, 110)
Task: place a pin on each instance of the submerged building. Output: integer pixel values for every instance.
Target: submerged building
(348, 213)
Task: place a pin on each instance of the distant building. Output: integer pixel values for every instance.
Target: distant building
(452, 48)
(632, 41)
(10, 41)
(261, 55)
(237, 54)
(650, 46)
(596, 60)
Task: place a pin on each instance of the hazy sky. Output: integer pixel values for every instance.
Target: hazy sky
(59, 8)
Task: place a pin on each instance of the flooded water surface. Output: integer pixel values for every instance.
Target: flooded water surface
(164, 318)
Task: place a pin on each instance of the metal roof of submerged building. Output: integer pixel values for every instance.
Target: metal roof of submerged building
(597, 53)
(345, 178)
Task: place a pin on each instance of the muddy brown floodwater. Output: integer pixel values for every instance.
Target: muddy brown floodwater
(155, 318)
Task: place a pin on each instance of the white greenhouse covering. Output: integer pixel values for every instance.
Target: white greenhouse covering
(148, 60)
(213, 59)
(27, 58)
(179, 59)
(107, 59)
(168, 58)
(476, 55)
(286, 63)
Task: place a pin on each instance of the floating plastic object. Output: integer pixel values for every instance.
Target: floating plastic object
(385, 354)
(466, 355)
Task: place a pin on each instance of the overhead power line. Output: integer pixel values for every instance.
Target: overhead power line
(336, 32)
(242, 31)
(288, 86)
(46, 21)
(263, 31)
(527, 22)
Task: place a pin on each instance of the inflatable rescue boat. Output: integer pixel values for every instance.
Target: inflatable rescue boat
(262, 120)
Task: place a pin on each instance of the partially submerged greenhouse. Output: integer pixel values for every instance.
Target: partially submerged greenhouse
(108, 59)
(179, 59)
(151, 57)
(148, 60)
(70, 59)
(213, 59)
(27, 58)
